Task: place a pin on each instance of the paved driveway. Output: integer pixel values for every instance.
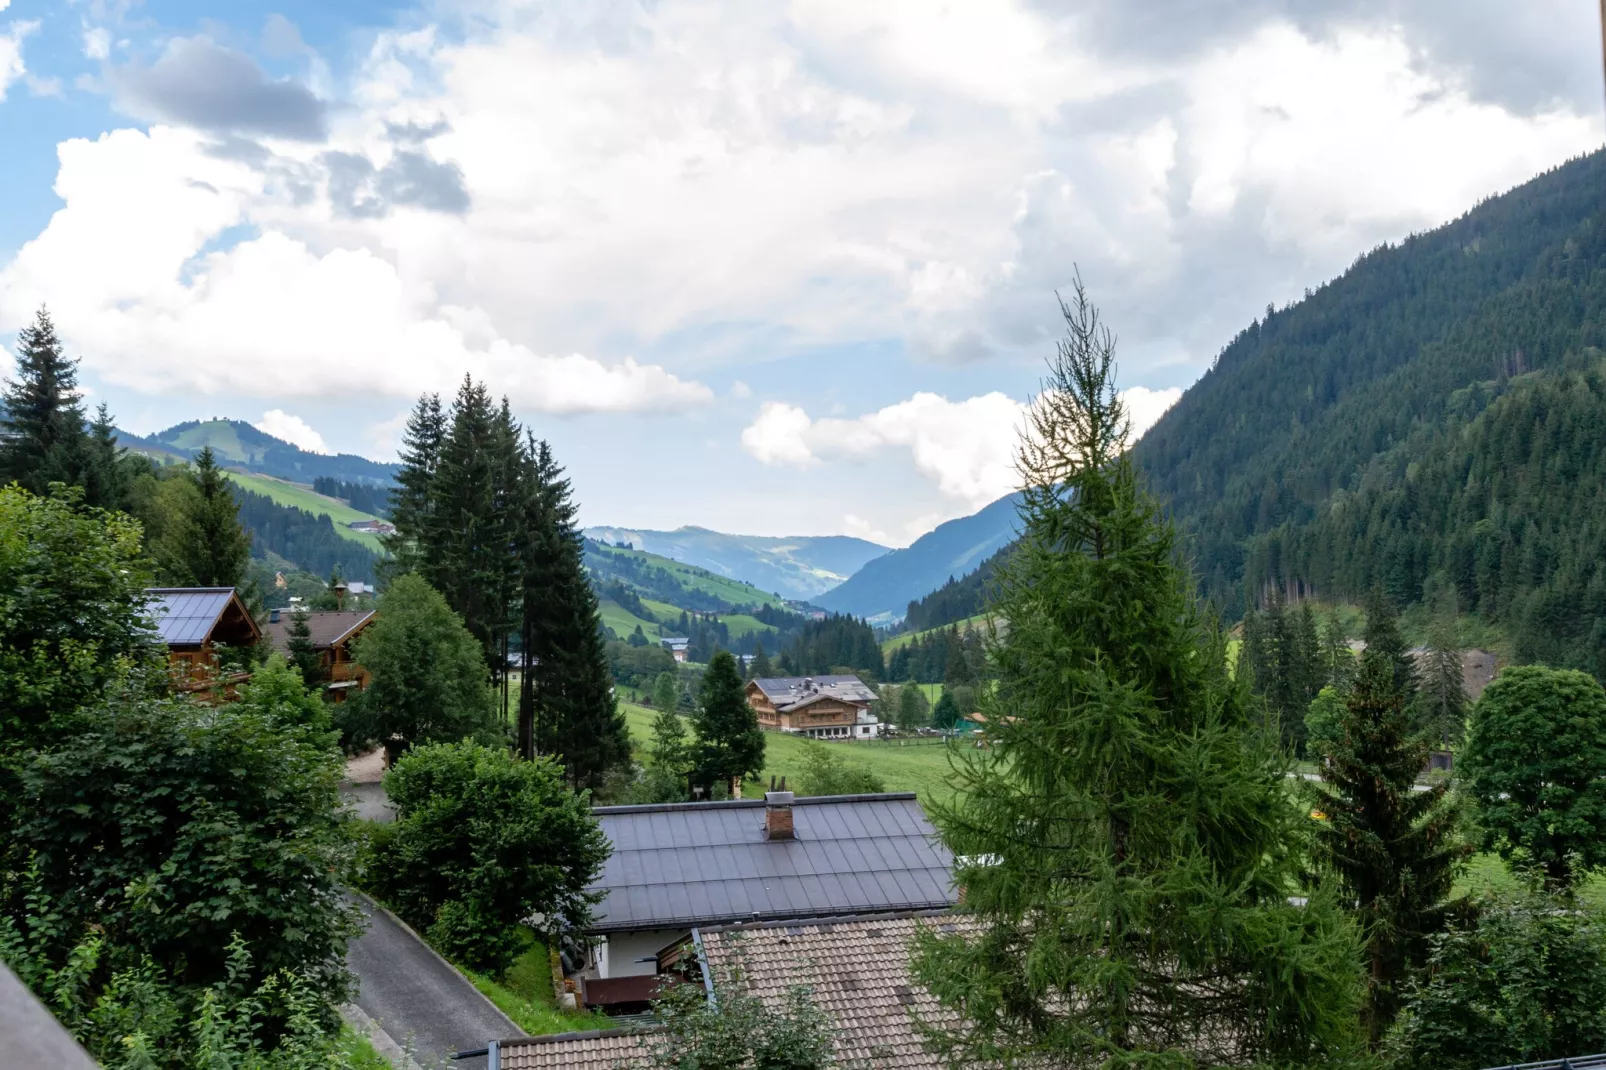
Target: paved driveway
(417, 998)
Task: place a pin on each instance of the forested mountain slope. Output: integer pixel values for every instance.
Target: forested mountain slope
(237, 443)
(1290, 419)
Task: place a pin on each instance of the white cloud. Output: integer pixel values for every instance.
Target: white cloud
(966, 448)
(97, 42)
(271, 316)
(741, 390)
(861, 528)
(11, 64)
(292, 429)
(8, 364)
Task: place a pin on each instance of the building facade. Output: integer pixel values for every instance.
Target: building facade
(821, 707)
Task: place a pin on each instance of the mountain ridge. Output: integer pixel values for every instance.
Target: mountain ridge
(238, 443)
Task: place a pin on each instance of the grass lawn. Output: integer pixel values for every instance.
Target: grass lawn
(303, 497)
(918, 767)
(355, 1047)
(623, 622)
(524, 994)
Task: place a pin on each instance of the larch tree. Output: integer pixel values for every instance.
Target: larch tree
(730, 744)
(1392, 847)
(1125, 841)
(42, 415)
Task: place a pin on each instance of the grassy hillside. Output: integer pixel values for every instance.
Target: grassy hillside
(727, 590)
(623, 622)
(899, 641)
(300, 497)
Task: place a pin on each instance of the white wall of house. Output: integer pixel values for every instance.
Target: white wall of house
(619, 953)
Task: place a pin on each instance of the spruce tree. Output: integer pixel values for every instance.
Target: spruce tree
(303, 655)
(1383, 636)
(1393, 848)
(43, 420)
(1125, 842)
(467, 555)
(412, 499)
(730, 744)
(567, 706)
(1338, 661)
(107, 478)
(1441, 699)
(761, 663)
(210, 544)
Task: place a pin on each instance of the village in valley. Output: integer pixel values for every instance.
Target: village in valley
(1093, 721)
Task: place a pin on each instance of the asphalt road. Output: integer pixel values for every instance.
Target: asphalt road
(417, 999)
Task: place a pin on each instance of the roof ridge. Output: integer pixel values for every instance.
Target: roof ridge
(829, 919)
(740, 804)
(584, 1034)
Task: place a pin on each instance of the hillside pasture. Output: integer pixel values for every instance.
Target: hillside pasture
(978, 622)
(303, 497)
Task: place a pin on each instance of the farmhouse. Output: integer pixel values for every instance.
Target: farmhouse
(677, 866)
(333, 632)
(825, 707)
(676, 646)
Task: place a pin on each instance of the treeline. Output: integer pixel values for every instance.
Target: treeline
(835, 643)
(363, 497)
(1503, 504)
(652, 581)
(956, 600)
(945, 655)
(311, 542)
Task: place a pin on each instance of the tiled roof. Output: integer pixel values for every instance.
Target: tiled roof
(185, 616)
(326, 625)
(685, 864)
(857, 970)
(607, 1049)
(788, 692)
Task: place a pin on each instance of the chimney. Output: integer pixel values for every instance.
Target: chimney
(778, 815)
(273, 616)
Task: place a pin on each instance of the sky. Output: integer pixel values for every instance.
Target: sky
(784, 268)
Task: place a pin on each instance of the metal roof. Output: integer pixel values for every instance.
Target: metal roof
(685, 864)
(789, 692)
(185, 616)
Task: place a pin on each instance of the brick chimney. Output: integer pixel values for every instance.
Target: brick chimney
(778, 815)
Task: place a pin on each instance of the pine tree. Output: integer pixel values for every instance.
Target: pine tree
(412, 500)
(1338, 661)
(1441, 700)
(1125, 841)
(730, 744)
(1392, 847)
(107, 478)
(303, 655)
(41, 415)
(467, 555)
(1383, 636)
(209, 543)
(567, 706)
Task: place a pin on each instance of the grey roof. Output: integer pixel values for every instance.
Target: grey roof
(685, 864)
(327, 626)
(789, 691)
(185, 616)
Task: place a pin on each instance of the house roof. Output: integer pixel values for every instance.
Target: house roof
(328, 626)
(598, 1049)
(857, 970)
(684, 864)
(786, 692)
(185, 616)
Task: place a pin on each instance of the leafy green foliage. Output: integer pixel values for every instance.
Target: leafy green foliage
(666, 690)
(730, 745)
(1535, 761)
(276, 691)
(429, 682)
(132, 1017)
(670, 760)
(483, 841)
(1125, 842)
(173, 827)
(1393, 848)
(72, 621)
(1324, 722)
(946, 715)
(826, 772)
(1524, 983)
(738, 1030)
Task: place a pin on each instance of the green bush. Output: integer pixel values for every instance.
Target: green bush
(482, 842)
(825, 772)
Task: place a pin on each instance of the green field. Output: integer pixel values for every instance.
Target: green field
(623, 622)
(301, 496)
(906, 638)
(919, 767)
(740, 624)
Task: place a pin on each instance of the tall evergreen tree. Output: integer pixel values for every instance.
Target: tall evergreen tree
(303, 655)
(946, 714)
(761, 663)
(1441, 699)
(470, 550)
(412, 500)
(107, 475)
(1383, 636)
(1125, 841)
(42, 416)
(730, 744)
(567, 706)
(1392, 847)
(1338, 661)
(208, 542)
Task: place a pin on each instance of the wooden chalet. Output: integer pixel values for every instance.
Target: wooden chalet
(333, 632)
(199, 626)
(823, 707)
